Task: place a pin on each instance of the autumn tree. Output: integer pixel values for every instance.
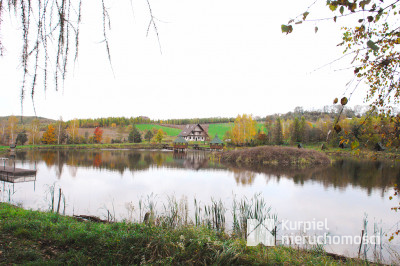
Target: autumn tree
(97, 135)
(49, 137)
(12, 126)
(228, 135)
(278, 134)
(60, 131)
(261, 137)
(159, 136)
(149, 135)
(73, 131)
(304, 129)
(269, 128)
(371, 42)
(244, 129)
(34, 131)
(120, 132)
(3, 131)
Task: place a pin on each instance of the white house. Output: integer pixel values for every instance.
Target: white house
(194, 133)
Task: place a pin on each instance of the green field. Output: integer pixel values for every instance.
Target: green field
(169, 130)
(222, 128)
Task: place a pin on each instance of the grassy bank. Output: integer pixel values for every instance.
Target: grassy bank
(47, 238)
(274, 155)
(361, 153)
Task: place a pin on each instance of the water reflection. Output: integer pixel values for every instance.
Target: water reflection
(341, 174)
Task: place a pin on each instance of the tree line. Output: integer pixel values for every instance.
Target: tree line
(364, 131)
(124, 121)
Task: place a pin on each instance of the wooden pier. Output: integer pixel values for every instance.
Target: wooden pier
(16, 175)
(183, 149)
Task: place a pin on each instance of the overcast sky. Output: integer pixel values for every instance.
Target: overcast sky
(219, 58)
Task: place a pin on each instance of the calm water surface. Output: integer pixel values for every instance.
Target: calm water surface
(115, 180)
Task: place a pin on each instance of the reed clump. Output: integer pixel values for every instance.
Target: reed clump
(33, 237)
(275, 155)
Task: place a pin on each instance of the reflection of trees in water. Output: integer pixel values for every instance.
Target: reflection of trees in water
(60, 164)
(342, 173)
(97, 162)
(194, 160)
(49, 158)
(243, 177)
(117, 160)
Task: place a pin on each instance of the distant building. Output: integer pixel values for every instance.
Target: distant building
(144, 117)
(194, 133)
(216, 143)
(180, 144)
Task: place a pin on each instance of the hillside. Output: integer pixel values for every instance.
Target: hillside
(26, 120)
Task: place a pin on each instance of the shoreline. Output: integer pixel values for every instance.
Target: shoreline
(332, 153)
(44, 237)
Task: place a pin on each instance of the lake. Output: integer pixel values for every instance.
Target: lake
(113, 183)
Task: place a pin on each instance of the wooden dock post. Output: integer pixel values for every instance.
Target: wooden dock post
(4, 160)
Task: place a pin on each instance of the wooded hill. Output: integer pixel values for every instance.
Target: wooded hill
(310, 115)
(26, 120)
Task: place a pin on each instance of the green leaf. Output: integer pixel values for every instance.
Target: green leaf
(341, 10)
(372, 45)
(305, 14)
(286, 28)
(354, 144)
(332, 7)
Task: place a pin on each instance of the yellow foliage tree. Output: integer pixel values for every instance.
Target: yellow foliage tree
(34, 131)
(72, 130)
(12, 127)
(49, 137)
(244, 130)
(160, 135)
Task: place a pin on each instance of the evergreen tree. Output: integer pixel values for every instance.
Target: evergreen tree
(303, 130)
(21, 138)
(296, 137)
(137, 137)
(149, 135)
(134, 135)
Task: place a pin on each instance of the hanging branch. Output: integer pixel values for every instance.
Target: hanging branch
(152, 22)
(43, 21)
(106, 21)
